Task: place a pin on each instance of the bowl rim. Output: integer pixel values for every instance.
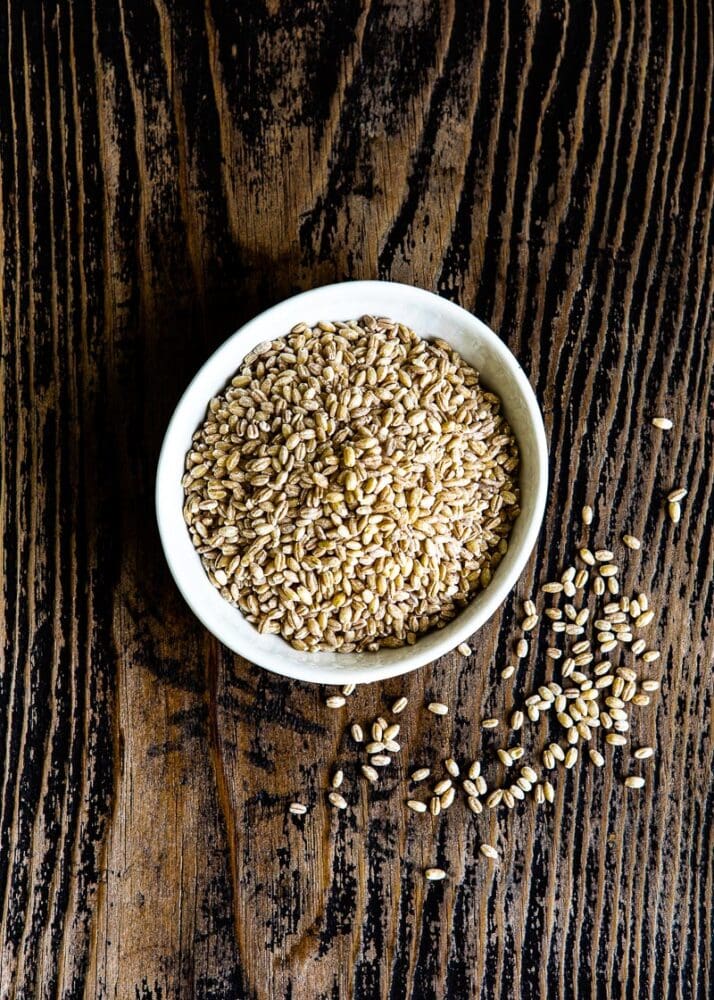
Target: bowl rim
(320, 668)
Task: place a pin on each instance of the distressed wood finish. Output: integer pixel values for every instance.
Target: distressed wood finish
(166, 171)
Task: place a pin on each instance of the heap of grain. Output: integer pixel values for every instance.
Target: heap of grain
(353, 487)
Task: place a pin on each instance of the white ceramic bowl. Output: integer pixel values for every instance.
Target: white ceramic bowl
(430, 316)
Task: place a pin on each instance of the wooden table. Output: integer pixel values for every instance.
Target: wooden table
(169, 170)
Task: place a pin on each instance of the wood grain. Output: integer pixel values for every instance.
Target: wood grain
(168, 170)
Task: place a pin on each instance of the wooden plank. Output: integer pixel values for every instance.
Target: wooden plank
(168, 171)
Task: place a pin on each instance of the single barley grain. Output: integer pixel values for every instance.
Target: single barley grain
(494, 799)
(596, 757)
(381, 760)
(337, 778)
(434, 874)
(416, 806)
(675, 512)
(529, 623)
(447, 798)
(335, 701)
(631, 542)
(297, 808)
(348, 689)
(587, 557)
(662, 423)
(399, 705)
(517, 719)
(508, 672)
(441, 786)
(464, 649)
(438, 708)
(489, 852)
(557, 752)
(651, 655)
(475, 770)
(644, 619)
(650, 685)
(616, 740)
(505, 757)
(337, 800)
(489, 723)
(598, 586)
(553, 587)
(474, 804)
(521, 648)
(570, 758)
(529, 608)
(634, 781)
(644, 753)
(435, 805)
(469, 787)
(452, 767)
(548, 760)
(587, 514)
(420, 774)
(369, 772)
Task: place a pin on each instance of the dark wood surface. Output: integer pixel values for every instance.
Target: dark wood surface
(167, 171)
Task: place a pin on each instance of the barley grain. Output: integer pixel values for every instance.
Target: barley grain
(416, 806)
(447, 798)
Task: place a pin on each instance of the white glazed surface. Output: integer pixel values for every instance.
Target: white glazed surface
(429, 316)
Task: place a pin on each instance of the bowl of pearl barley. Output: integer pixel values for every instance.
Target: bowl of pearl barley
(352, 483)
